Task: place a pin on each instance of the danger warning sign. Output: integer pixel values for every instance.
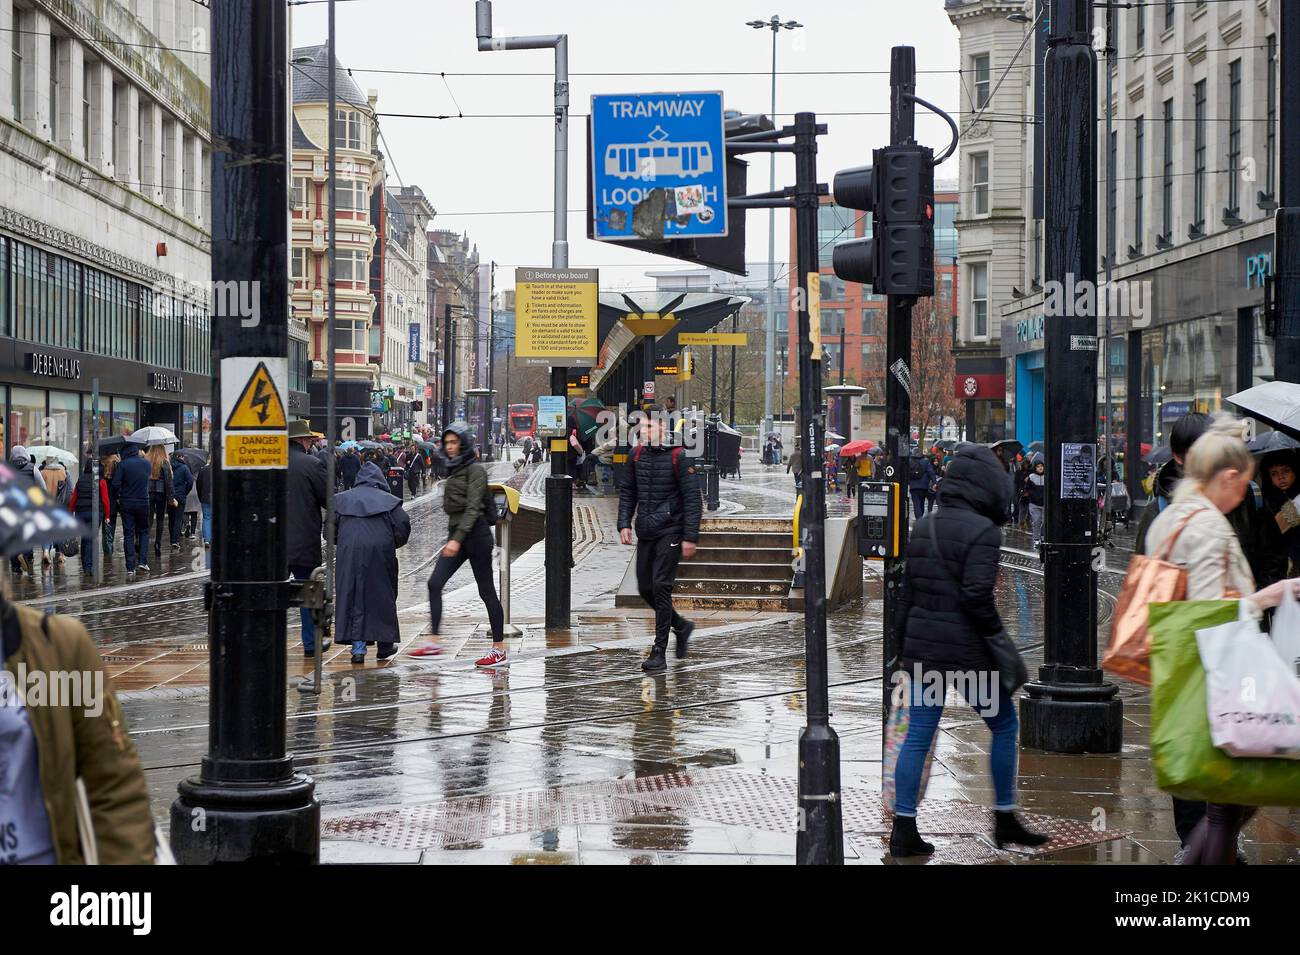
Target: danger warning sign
(254, 434)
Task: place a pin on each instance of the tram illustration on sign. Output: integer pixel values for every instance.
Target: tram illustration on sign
(658, 157)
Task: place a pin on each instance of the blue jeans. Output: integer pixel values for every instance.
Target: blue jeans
(924, 722)
(207, 533)
(88, 555)
(308, 624)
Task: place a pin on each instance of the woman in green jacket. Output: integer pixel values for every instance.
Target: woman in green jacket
(464, 498)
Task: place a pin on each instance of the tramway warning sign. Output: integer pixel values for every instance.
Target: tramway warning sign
(255, 426)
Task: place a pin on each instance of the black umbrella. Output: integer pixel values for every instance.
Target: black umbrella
(1161, 455)
(1272, 441)
(194, 457)
(113, 445)
(1276, 403)
(31, 518)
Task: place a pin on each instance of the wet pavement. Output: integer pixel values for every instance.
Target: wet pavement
(573, 755)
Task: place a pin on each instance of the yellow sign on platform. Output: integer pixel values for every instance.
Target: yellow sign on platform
(555, 316)
(255, 431)
(738, 339)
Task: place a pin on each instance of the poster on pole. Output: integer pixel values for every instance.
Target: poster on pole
(1078, 472)
(555, 316)
(551, 412)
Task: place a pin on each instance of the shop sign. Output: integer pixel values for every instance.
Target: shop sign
(162, 381)
(1259, 268)
(1030, 329)
(52, 366)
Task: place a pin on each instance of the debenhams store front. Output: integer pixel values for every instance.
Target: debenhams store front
(67, 327)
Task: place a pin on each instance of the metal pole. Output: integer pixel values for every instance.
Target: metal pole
(731, 414)
(898, 364)
(247, 803)
(492, 360)
(96, 556)
(1110, 262)
(713, 380)
(820, 840)
(769, 351)
(447, 347)
(1069, 708)
(1286, 266)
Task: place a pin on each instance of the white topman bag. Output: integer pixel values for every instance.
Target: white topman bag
(1253, 696)
(1286, 630)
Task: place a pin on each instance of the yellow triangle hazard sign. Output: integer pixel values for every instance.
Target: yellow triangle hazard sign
(259, 407)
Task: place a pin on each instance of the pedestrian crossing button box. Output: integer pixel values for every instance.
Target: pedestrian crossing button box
(879, 512)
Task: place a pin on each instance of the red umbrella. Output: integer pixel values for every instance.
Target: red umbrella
(856, 447)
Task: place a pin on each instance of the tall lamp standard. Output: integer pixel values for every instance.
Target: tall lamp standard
(776, 25)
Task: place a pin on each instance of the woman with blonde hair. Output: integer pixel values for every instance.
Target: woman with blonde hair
(59, 488)
(1216, 478)
(161, 493)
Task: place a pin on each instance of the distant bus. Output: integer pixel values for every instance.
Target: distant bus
(522, 421)
(630, 160)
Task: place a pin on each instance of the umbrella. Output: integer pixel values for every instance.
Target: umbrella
(585, 413)
(1276, 403)
(1161, 455)
(29, 517)
(348, 445)
(368, 445)
(832, 448)
(153, 435)
(856, 447)
(1035, 446)
(40, 453)
(1272, 441)
(876, 451)
(1007, 444)
(113, 445)
(194, 457)
(945, 445)
(833, 436)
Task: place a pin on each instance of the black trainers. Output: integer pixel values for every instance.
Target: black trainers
(683, 635)
(358, 658)
(386, 650)
(655, 661)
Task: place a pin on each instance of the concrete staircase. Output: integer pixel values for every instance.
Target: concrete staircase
(741, 564)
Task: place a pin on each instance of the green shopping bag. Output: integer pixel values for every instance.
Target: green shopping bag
(1187, 764)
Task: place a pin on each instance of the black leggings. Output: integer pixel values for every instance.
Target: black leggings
(158, 509)
(477, 549)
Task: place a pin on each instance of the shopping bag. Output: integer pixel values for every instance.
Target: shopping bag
(1187, 763)
(895, 733)
(1286, 630)
(1252, 695)
(1148, 580)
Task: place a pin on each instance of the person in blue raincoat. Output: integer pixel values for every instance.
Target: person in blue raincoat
(370, 526)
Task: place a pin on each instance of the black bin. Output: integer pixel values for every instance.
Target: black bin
(396, 482)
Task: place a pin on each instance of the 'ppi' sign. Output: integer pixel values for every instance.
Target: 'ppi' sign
(658, 166)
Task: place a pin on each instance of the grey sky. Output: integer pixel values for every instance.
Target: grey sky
(485, 165)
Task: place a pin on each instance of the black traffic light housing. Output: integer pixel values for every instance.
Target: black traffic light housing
(898, 190)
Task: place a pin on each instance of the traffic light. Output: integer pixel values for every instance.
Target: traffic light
(898, 191)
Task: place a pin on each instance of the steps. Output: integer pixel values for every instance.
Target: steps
(739, 564)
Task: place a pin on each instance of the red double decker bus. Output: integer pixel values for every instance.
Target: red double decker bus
(522, 421)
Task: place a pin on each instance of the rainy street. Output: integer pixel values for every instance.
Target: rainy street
(573, 755)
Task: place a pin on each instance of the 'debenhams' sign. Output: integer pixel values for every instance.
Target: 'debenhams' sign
(53, 366)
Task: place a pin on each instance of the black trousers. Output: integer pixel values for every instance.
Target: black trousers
(477, 549)
(158, 515)
(656, 571)
(1187, 814)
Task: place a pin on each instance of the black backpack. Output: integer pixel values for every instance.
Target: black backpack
(915, 469)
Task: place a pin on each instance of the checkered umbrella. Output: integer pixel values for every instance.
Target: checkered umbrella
(29, 517)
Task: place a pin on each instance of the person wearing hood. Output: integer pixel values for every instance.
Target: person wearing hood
(130, 486)
(947, 610)
(83, 504)
(370, 524)
(465, 498)
(1279, 478)
(1036, 495)
(182, 484)
(307, 501)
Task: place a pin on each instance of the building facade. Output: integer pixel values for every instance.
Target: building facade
(1194, 123)
(356, 349)
(456, 270)
(404, 365)
(104, 242)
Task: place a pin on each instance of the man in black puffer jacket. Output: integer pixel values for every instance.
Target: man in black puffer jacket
(661, 489)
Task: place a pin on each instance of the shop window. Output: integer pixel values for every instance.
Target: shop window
(26, 416)
(125, 415)
(63, 425)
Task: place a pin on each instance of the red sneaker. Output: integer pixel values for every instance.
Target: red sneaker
(495, 658)
(427, 650)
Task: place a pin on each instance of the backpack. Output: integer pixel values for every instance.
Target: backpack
(491, 513)
(677, 456)
(915, 470)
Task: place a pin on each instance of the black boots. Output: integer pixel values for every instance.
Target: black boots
(1007, 828)
(904, 840)
(655, 661)
(683, 635)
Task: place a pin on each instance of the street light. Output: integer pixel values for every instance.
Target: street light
(776, 25)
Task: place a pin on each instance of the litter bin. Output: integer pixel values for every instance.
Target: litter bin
(396, 482)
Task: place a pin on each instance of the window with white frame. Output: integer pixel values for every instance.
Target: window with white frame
(353, 266)
(979, 180)
(300, 192)
(981, 71)
(298, 262)
(354, 195)
(350, 129)
(979, 299)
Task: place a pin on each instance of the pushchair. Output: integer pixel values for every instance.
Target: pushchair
(1119, 504)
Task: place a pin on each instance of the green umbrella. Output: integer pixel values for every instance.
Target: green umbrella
(585, 412)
